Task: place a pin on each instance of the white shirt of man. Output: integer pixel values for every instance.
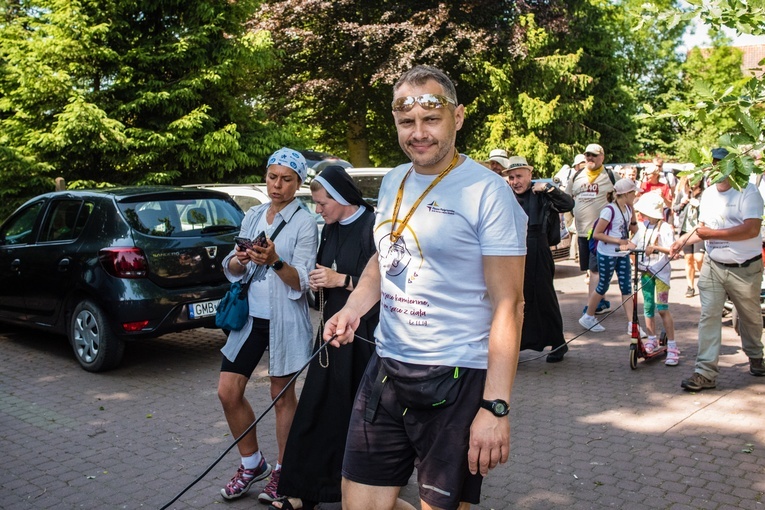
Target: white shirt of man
(728, 209)
(434, 307)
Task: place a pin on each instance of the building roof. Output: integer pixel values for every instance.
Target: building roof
(751, 59)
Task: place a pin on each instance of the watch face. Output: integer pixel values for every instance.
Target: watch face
(500, 408)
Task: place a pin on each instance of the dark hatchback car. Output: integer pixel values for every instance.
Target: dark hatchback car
(105, 266)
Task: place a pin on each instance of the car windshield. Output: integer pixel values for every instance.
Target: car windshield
(181, 217)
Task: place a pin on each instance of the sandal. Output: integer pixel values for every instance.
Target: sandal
(287, 504)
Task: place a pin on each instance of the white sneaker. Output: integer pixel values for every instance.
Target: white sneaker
(591, 323)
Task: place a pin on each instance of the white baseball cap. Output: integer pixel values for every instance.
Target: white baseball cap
(594, 148)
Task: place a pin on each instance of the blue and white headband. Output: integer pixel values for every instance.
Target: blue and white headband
(291, 159)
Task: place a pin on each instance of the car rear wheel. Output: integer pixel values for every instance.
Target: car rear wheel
(96, 347)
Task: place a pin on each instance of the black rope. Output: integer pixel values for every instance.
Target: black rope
(247, 431)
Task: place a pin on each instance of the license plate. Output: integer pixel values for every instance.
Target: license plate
(203, 309)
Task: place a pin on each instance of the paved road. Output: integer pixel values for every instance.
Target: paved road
(587, 433)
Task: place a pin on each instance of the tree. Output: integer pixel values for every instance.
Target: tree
(725, 99)
(130, 92)
(574, 83)
(341, 59)
(704, 71)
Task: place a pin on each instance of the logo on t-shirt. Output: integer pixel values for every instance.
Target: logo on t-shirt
(589, 190)
(434, 208)
(396, 258)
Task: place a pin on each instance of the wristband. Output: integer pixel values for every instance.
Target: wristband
(240, 262)
(633, 222)
(347, 281)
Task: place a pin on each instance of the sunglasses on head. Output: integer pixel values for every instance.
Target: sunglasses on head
(427, 101)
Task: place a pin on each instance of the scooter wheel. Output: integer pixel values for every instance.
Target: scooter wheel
(663, 338)
(633, 356)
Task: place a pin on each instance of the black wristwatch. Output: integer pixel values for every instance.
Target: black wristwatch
(498, 407)
(347, 281)
(278, 264)
(548, 187)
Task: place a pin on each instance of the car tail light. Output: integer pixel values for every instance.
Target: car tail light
(131, 327)
(124, 262)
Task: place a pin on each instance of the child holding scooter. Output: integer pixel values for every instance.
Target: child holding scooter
(611, 231)
(654, 237)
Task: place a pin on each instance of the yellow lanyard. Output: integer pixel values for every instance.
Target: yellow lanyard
(396, 232)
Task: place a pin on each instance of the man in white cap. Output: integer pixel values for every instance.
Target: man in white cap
(499, 161)
(729, 225)
(590, 187)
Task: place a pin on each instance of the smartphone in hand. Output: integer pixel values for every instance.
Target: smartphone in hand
(248, 244)
(244, 243)
(261, 240)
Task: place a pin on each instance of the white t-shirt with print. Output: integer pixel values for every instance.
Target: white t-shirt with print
(728, 209)
(434, 306)
(619, 228)
(657, 263)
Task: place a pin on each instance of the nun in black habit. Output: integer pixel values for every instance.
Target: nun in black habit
(311, 470)
(543, 203)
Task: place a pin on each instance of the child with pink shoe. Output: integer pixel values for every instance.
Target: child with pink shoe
(654, 237)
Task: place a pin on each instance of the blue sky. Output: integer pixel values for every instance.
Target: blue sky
(700, 38)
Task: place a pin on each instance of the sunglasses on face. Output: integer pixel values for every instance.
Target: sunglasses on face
(590, 155)
(427, 101)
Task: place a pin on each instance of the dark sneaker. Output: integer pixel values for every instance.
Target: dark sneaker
(690, 292)
(244, 478)
(698, 382)
(603, 307)
(756, 367)
(269, 494)
(557, 355)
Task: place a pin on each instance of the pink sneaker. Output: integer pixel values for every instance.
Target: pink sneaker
(269, 494)
(244, 478)
(673, 357)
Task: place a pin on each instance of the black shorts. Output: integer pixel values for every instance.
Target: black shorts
(385, 452)
(587, 259)
(252, 350)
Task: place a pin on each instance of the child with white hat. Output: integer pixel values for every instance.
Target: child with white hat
(655, 237)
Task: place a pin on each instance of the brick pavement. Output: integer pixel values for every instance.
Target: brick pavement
(588, 433)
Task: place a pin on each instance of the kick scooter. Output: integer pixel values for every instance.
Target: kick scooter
(637, 347)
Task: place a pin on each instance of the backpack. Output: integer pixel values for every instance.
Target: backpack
(593, 243)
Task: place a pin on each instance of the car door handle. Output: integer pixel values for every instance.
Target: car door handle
(63, 265)
(16, 265)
